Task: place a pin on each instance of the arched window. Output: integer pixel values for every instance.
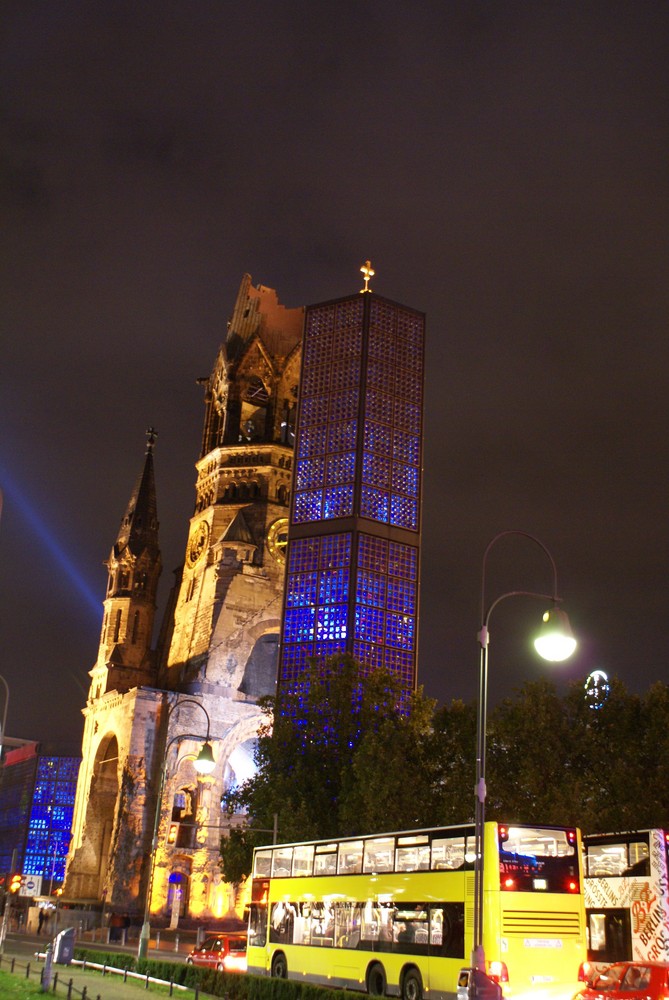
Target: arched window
(117, 626)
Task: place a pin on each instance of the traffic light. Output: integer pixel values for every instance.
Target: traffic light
(15, 883)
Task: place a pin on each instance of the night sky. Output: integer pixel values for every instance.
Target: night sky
(504, 166)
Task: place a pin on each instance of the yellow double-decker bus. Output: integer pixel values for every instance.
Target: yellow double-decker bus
(392, 914)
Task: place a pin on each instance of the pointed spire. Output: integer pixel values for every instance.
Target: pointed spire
(139, 527)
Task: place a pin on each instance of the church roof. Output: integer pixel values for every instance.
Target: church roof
(139, 527)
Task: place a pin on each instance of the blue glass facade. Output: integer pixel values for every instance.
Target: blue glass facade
(36, 810)
(353, 554)
(50, 821)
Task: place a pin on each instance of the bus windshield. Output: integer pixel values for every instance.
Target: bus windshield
(538, 859)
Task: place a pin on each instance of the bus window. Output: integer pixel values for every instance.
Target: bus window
(262, 864)
(606, 859)
(282, 923)
(412, 858)
(448, 853)
(320, 930)
(325, 861)
(378, 856)
(447, 930)
(348, 918)
(410, 926)
(639, 859)
(412, 853)
(350, 857)
(303, 860)
(282, 858)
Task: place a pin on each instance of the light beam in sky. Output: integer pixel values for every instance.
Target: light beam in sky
(25, 510)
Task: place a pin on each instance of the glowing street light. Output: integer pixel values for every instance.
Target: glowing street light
(555, 643)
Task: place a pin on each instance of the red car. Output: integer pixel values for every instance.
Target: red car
(222, 952)
(630, 980)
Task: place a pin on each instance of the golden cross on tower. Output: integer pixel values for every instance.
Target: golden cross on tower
(151, 435)
(369, 274)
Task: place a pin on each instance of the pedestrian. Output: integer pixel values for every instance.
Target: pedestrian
(40, 921)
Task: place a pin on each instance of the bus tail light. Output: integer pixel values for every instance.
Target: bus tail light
(498, 972)
(572, 885)
(509, 883)
(571, 837)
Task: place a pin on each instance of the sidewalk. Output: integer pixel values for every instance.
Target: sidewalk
(108, 987)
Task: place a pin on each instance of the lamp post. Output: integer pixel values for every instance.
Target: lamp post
(555, 642)
(204, 763)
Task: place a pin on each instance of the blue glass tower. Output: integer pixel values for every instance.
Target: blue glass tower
(352, 573)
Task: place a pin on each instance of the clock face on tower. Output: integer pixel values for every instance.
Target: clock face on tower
(277, 539)
(198, 542)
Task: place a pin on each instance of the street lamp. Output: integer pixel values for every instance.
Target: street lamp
(204, 763)
(555, 642)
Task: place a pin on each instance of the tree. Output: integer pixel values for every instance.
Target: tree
(319, 754)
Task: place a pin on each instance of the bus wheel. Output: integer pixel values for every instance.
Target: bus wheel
(412, 985)
(279, 966)
(376, 981)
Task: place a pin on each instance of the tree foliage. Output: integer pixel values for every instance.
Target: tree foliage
(341, 758)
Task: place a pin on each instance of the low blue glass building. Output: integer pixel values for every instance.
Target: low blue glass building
(37, 791)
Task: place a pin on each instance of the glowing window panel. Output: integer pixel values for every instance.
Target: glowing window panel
(318, 347)
(373, 553)
(368, 654)
(378, 440)
(332, 622)
(301, 590)
(403, 512)
(379, 406)
(315, 410)
(329, 647)
(309, 473)
(406, 447)
(401, 596)
(344, 405)
(380, 375)
(333, 586)
(375, 470)
(342, 436)
(312, 441)
(303, 555)
(371, 588)
(369, 624)
(405, 479)
(315, 380)
(344, 375)
(298, 624)
(340, 469)
(374, 504)
(403, 561)
(335, 551)
(400, 631)
(295, 657)
(407, 416)
(308, 506)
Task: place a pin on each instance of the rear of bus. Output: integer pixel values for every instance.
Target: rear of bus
(534, 914)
